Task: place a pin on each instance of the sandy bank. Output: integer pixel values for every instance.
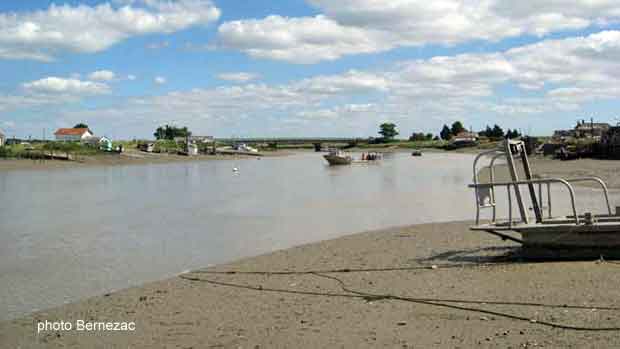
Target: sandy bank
(128, 158)
(196, 314)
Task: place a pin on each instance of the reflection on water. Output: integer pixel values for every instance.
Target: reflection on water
(69, 234)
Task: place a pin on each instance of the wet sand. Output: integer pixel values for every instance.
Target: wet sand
(607, 170)
(318, 309)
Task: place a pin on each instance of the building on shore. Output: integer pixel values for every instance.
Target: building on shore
(466, 137)
(72, 134)
(583, 129)
(2, 139)
(102, 143)
(591, 129)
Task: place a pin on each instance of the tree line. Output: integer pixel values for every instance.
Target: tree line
(388, 132)
(170, 132)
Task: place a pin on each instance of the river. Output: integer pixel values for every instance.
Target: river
(73, 233)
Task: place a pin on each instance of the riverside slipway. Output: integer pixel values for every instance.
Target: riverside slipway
(574, 235)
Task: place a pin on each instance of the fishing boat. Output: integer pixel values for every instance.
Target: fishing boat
(576, 234)
(338, 157)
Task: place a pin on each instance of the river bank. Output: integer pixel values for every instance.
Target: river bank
(130, 157)
(434, 263)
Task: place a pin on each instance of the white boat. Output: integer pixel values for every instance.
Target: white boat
(246, 148)
(338, 157)
(575, 235)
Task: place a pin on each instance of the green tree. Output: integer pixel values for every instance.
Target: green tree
(420, 136)
(388, 131)
(488, 132)
(497, 132)
(169, 132)
(457, 127)
(445, 133)
(81, 125)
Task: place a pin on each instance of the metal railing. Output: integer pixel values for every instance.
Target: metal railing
(540, 182)
(547, 181)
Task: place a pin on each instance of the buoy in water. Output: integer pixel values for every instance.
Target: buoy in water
(235, 169)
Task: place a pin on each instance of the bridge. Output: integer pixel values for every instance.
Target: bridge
(274, 141)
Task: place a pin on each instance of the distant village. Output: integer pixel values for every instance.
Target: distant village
(586, 139)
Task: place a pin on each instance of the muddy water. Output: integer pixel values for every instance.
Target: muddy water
(73, 233)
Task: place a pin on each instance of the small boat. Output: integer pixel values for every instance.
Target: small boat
(416, 153)
(577, 235)
(338, 157)
(370, 157)
(245, 148)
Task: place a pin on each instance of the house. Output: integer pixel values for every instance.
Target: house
(102, 143)
(591, 129)
(466, 137)
(2, 139)
(72, 134)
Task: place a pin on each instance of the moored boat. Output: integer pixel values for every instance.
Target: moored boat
(579, 234)
(338, 157)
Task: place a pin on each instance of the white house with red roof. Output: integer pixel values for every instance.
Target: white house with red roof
(72, 134)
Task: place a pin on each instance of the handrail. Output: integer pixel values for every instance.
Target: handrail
(475, 178)
(534, 181)
(599, 181)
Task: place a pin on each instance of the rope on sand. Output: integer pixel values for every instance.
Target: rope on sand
(438, 302)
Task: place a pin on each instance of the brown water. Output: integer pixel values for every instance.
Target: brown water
(70, 234)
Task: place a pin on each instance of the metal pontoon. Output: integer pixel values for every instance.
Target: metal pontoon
(577, 231)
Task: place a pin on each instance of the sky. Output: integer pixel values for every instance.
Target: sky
(293, 68)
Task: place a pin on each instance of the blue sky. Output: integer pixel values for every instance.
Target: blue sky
(306, 68)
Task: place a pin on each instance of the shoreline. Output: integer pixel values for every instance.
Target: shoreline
(313, 310)
(542, 166)
(128, 158)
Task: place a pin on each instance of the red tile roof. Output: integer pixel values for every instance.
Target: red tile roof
(71, 131)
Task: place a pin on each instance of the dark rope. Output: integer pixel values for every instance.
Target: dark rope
(358, 270)
(433, 302)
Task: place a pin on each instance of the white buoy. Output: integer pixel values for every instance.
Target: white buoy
(235, 169)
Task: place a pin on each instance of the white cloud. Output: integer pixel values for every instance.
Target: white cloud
(350, 82)
(560, 76)
(367, 26)
(56, 85)
(160, 80)
(131, 77)
(102, 75)
(41, 35)
(238, 77)
(298, 40)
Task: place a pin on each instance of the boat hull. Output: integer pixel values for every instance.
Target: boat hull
(572, 239)
(338, 160)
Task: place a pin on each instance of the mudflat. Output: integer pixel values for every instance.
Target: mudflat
(130, 157)
(428, 286)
